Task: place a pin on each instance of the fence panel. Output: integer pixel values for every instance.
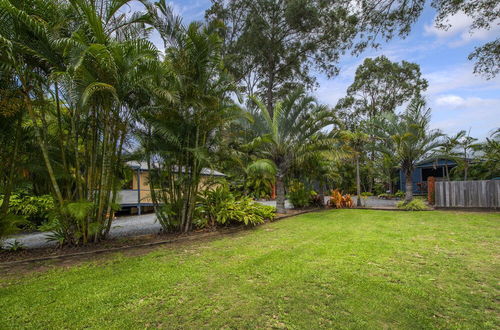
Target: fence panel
(474, 194)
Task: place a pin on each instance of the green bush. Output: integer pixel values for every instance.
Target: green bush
(366, 194)
(414, 205)
(35, 209)
(219, 206)
(298, 195)
(399, 194)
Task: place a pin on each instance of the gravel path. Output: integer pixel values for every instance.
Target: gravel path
(121, 227)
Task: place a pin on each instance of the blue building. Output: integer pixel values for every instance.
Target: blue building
(435, 167)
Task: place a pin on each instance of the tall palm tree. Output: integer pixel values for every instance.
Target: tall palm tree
(182, 128)
(354, 143)
(292, 133)
(410, 138)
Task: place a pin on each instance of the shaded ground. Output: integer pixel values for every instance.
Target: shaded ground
(333, 269)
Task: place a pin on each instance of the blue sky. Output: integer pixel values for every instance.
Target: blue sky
(458, 98)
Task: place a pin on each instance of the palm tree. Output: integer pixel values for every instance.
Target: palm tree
(81, 66)
(448, 149)
(291, 134)
(410, 138)
(354, 144)
(183, 126)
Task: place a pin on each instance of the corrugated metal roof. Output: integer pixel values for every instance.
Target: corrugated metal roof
(143, 166)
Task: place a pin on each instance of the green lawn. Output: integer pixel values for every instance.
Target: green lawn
(341, 268)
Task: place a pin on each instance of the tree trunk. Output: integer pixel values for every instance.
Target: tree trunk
(280, 194)
(358, 184)
(322, 193)
(43, 147)
(409, 187)
(12, 167)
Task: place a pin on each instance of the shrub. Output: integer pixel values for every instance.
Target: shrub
(35, 209)
(10, 224)
(414, 205)
(298, 195)
(316, 200)
(219, 206)
(339, 201)
(399, 194)
(366, 194)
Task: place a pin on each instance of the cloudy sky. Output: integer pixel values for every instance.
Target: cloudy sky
(459, 99)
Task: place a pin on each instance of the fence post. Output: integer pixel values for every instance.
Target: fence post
(431, 186)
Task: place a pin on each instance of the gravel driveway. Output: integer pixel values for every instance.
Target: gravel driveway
(121, 227)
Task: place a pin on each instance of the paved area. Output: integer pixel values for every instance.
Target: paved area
(147, 224)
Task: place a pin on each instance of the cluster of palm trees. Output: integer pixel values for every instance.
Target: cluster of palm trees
(79, 78)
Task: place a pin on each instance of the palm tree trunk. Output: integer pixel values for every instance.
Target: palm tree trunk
(280, 194)
(409, 187)
(12, 167)
(43, 147)
(358, 184)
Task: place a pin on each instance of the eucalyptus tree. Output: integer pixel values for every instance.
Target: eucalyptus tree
(183, 125)
(381, 85)
(271, 46)
(409, 138)
(291, 133)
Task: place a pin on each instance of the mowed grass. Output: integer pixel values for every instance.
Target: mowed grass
(340, 268)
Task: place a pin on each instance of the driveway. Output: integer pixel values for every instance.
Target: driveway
(123, 226)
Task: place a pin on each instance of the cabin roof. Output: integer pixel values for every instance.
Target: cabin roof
(143, 166)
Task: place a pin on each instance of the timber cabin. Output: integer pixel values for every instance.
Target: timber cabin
(137, 195)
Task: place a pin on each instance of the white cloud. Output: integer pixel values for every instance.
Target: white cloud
(458, 102)
(459, 34)
(461, 77)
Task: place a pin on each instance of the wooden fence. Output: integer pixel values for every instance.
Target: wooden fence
(473, 194)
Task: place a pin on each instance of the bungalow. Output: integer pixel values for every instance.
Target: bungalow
(137, 195)
(435, 167)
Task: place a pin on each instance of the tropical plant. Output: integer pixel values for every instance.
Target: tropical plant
(290, 134)
(298, 194)
(219, 207)
(35, 209)
(448, 150)
(410, 138)
(414, 205)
